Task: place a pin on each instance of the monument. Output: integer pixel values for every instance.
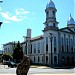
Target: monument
(23, 67)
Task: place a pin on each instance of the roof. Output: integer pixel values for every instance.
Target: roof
(37, 38)
(9, 43)
(70, 20)
(50, 4)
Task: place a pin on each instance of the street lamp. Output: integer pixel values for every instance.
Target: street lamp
(1, 23)
(51, 37)
(1, 1)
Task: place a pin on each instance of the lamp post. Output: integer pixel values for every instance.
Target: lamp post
(51, 37)
(1, 23)
(1, 1)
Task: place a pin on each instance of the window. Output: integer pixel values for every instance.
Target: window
(67, 44)
(53, 13)
(54, 25)
(46, 59)
(47, 25)
(46, 44)
(74, 30)
(31, 48)
(38, 47)
(38, 59)
(54, 41)
(62, 44)
(63, 60)
(54, 44)
(71, 45)
(26, 48)
(46, 40)
(34, 59)
(72, 60)
(54, 49)
(55, 59)
(47, 14)
(67, 59)
(34, 47)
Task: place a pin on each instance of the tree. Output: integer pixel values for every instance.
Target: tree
(7, 57)
(17, 52)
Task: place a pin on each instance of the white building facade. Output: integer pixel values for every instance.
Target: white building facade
(56, 46)
(8, 47)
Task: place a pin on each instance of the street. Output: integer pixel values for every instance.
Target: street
(39, 71)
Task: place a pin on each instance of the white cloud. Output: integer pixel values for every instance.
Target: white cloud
(0, 9)
(5, 21)
(21, 11)
(19, 16)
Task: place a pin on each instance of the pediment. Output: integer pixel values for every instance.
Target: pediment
(67, 30)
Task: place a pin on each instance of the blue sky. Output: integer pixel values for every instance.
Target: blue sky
(19, 15)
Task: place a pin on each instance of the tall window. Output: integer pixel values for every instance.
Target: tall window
(34, 59)
(38, 59)
(26, 48)
(34, 47)
(53, 13)
(67, 44)
(62, 44)
(54, 44)
(47, 14)
(67, 59)
(63, 59)
(46, 59)
(31, 48)
(38, 47)
(53, 24)
(71, 45)
(46, 44)
(55, 59)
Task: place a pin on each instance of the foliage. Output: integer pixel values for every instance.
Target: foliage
(7, 57)
(17, 52)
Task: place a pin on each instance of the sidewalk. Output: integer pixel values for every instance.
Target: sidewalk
(41, 74)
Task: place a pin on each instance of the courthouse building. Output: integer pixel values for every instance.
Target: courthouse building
(55, 46)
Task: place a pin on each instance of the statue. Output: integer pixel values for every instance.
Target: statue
(23, 67)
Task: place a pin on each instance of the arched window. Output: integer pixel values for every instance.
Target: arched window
(53, 13)
(55, 59)
(38, 59)
(46, 59)
(68, 59)
(72, 59)
(31, 48)
(63, 59)
(34, 59)
(47, 13)
(54, 25)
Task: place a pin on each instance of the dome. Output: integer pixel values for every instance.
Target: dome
(50, 4)
(70, 20)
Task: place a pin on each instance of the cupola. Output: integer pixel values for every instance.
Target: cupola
(70, 21)
(50, 11)
(50, 4)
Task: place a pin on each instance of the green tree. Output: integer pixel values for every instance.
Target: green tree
(17, 52)
(7, 57)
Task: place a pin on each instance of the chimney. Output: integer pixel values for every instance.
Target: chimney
(29, 33)
(28, 37)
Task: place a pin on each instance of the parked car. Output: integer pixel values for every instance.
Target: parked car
(10, 64)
